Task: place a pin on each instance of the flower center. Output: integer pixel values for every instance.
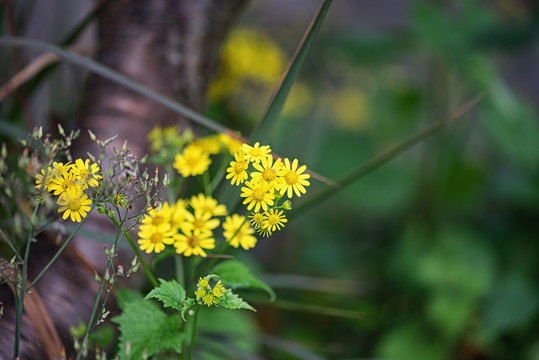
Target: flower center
(291, 178)
(258, 194)
(156, 238)
(74, 206)
(193, 241)
(269, 174)
(198, 224)
(158, 219)
(273, 220)
(239, 167)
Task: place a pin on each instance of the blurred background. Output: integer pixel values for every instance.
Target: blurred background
(433, 255)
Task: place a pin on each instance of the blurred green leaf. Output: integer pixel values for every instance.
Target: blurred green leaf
(409, 342)
(512, 303)
(236, 275)
(146, 328)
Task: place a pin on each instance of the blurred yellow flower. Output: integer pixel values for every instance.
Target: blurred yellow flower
(237, 231)
(192, 161)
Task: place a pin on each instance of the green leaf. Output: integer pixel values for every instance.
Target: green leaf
(233, 301)
(186, 305)
(170, 293)
(148, 330)
(235, 275)
(262, 131)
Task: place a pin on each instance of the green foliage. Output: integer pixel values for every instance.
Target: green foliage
(237, 276)
(233, 301)
(146, 329)
(170, 293)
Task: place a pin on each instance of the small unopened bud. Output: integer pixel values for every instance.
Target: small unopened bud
(101, 209)
(134, 262)
(61, 130)
(287, 205)
(96, 277)
(92, 135)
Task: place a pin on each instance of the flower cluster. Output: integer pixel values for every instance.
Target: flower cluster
(189, 226)
(194, 156)
(209, 295)
(69, 182)
(266, 184)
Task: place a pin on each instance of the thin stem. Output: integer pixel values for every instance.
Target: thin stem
(91, 325)
(193, 333)
(180, 273)
(22, 284)
(206, 183)
(136, 250)
(13, 248)
(59, 251)
(384, 157)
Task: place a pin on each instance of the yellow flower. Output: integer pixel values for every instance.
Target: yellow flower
(200, 293)
(257, 194)
(194, 243)
(158, 216)
(238, 169)
(256, 152)
(192, 161)
(86, 174)
(75, 204)
(202, 282)
(202, 222)
(230, 143)
(268, 171)
(209, 299)
(218, 290)
(274, 219)
(63, 183)
(206, 204)
(44, 179)
(264, 231)
(155, 237)
(238, 232)
(210, 144)
(177, 213)
(293, 179)
(256, 219)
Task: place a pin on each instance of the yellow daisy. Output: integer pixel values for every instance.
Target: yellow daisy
(158, 216)
(293, 179)
(75, 203)
(86, 174)
(155, 237)
(193, 243)
(199, 221)
(274, 219)
(207, 204)
(210, 144)
(192, 161)
(238, 232)
(256, 219)
(63, 183)
(256, 152)
(238, 169)
(257, 194)
(230, 143)
(268, 171)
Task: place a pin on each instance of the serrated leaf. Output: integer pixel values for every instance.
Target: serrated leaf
(186, 305)
(232, 301)
(147, 329)
(170, 293)
(235, 275)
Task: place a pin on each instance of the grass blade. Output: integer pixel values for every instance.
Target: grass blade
(118, 78)
(262, 129)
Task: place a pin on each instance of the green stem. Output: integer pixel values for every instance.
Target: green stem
(91, 324)
(193, 333)
(22, 285)
(384, 157)
(59, 251)
(180, 273)
(136, 250)
(206, 183)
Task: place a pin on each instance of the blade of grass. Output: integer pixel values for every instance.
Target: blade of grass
(384, 157)
(262, 130)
